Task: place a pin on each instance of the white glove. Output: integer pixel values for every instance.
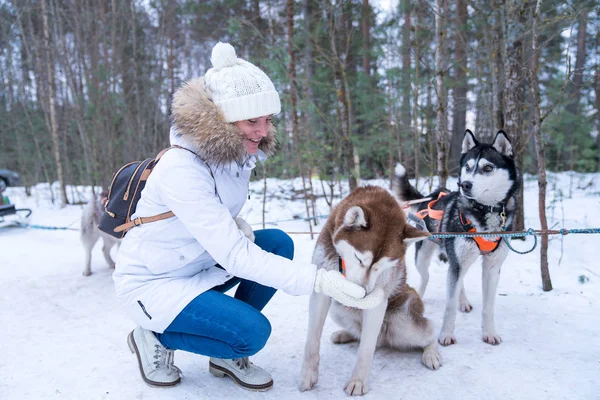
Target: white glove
(336, 286)
(245, 228)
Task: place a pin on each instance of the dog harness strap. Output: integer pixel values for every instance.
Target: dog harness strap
(429, 211)
(143, 220)
(483, 244)
(342, 266)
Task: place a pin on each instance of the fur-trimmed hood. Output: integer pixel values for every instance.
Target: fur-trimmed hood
(197, 119)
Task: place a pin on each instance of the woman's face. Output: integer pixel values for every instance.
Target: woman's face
(253, 130)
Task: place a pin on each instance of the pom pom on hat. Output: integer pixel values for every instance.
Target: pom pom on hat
(239, 88)
(223, 55)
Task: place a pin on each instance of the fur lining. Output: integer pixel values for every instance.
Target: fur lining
(196, 117)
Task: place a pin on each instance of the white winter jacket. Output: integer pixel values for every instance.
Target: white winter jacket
(162, 266)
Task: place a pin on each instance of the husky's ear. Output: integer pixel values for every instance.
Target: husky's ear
(502, 144)
(468, 142)
(412, 235)
(355, 218)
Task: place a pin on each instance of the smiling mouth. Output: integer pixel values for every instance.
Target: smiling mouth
(254, 140)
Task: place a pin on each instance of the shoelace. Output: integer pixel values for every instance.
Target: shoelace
(242, 362)
(165, 359)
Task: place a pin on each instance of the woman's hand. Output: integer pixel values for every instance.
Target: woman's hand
(336, 286)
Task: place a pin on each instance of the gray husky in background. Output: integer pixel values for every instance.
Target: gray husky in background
(368, 231)
(90, 233)
(487, 184)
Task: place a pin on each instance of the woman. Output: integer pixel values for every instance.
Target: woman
(171, 275)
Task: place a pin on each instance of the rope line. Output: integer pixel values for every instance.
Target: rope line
(503, 234)
(53, 228)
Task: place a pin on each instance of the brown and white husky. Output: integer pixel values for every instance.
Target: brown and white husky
(368, 231)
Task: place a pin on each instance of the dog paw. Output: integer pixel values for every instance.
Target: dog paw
(310, 376)
(432, 359)
(447, 340)
(492, 338)
(465, 307)
(87, 273)
(356, 387)
(341, 337)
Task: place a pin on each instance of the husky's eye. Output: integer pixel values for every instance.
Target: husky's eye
(359, 260)
(467, 168)
(488, 168)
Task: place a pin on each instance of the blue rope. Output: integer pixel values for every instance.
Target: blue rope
(521, 252)
(528, 232)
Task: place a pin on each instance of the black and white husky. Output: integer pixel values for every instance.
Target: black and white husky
(487, 181)
(90, 234)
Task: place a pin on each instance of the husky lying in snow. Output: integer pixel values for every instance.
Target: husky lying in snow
(368, 231)
(488, 181)
(90, 234)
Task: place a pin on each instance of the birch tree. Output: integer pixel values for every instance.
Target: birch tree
(51, 108)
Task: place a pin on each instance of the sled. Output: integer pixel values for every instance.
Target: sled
(11, 215)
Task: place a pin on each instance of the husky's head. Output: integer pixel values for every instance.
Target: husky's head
(371, 235)
(488, 173)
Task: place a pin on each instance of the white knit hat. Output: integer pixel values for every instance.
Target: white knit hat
(240, 89)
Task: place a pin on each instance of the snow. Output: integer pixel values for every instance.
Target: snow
(64, 336)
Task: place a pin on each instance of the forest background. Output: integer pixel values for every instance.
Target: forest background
(85, 86)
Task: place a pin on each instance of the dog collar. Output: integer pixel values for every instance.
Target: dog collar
(341, 266)
(500, 208)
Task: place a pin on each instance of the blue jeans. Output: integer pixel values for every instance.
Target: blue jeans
(217, 325)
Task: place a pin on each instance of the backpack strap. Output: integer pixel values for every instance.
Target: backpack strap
(143, 220)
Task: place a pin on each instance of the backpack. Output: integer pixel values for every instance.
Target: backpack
(124, 193)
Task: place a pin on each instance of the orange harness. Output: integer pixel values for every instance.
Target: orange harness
(434, 214)
(483, 244)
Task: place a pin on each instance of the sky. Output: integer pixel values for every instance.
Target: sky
(64, 335)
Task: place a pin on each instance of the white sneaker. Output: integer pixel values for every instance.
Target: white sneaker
(243, 372)
(155, 361)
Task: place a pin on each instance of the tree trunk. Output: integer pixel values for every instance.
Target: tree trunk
(52, 106)
(539, 149)
(460, 89)
(440, 68)
(343, 94)
(366, 40)
(514, 92)
(597, 89)
(293, 100)
(497, 68)
(405, 87)
(575, 87)
(415, 115)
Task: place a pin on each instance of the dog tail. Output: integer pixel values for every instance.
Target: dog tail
(87, 217)
(402, 187)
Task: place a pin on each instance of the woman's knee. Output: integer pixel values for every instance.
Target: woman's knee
(276, 241)
(256, 339)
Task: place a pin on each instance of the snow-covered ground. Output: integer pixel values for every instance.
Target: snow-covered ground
(63, 335)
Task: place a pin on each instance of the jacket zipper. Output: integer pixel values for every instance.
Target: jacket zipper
(144, 309)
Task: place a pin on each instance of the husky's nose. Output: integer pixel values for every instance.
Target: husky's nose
(466, 185)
